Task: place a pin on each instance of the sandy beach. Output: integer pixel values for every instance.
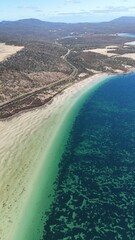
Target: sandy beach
(30, 144)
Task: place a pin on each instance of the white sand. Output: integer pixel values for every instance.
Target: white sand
(8, 50)
(81, 75)
(130, 43)
(25, 140)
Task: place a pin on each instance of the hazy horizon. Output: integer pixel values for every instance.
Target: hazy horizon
(68, 11)
(21, 19)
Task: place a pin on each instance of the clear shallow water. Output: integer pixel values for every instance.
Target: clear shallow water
(60, 123)
(95, 196)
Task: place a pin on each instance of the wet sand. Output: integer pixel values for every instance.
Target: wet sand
(31, 145)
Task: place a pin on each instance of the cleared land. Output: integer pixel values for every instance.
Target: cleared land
(8, 50)
(111, 51)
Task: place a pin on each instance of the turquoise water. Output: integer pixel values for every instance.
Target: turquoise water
(61, 121)
(127, 35)
(95, 194)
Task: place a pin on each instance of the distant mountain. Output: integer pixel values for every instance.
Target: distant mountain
(34, 29)
(29, 30)
(30, 22)
(124, 20)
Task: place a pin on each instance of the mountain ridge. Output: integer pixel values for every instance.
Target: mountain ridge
(120, 19)
(35, 29)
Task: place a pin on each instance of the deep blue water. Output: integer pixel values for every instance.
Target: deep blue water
(95, 194)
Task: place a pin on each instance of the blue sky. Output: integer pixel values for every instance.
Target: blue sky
(66, 10)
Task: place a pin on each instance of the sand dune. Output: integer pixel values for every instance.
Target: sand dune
(26, 144)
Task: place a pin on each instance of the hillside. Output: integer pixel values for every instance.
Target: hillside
(54, 55)
(34, 29)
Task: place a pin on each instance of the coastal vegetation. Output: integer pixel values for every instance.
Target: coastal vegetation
(54, 56)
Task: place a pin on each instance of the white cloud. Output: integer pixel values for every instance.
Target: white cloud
(33, 8)
(72, 1)
(113, 9)
(28, 7)
(121, 10)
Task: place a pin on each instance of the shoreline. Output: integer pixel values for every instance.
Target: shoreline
(26, 145)
(9, 115)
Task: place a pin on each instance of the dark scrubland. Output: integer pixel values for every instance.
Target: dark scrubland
(36, 66)
(86, 61)
(93, 41)
(42, 69)
(123, 49)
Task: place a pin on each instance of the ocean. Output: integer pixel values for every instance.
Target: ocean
(95, 186)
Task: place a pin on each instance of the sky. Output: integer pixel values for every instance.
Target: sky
(66, 10)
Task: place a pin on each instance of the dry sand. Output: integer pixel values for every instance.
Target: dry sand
(130, 43)
(128, 55)
(8, 50)
(104, 51)
(24, 142)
